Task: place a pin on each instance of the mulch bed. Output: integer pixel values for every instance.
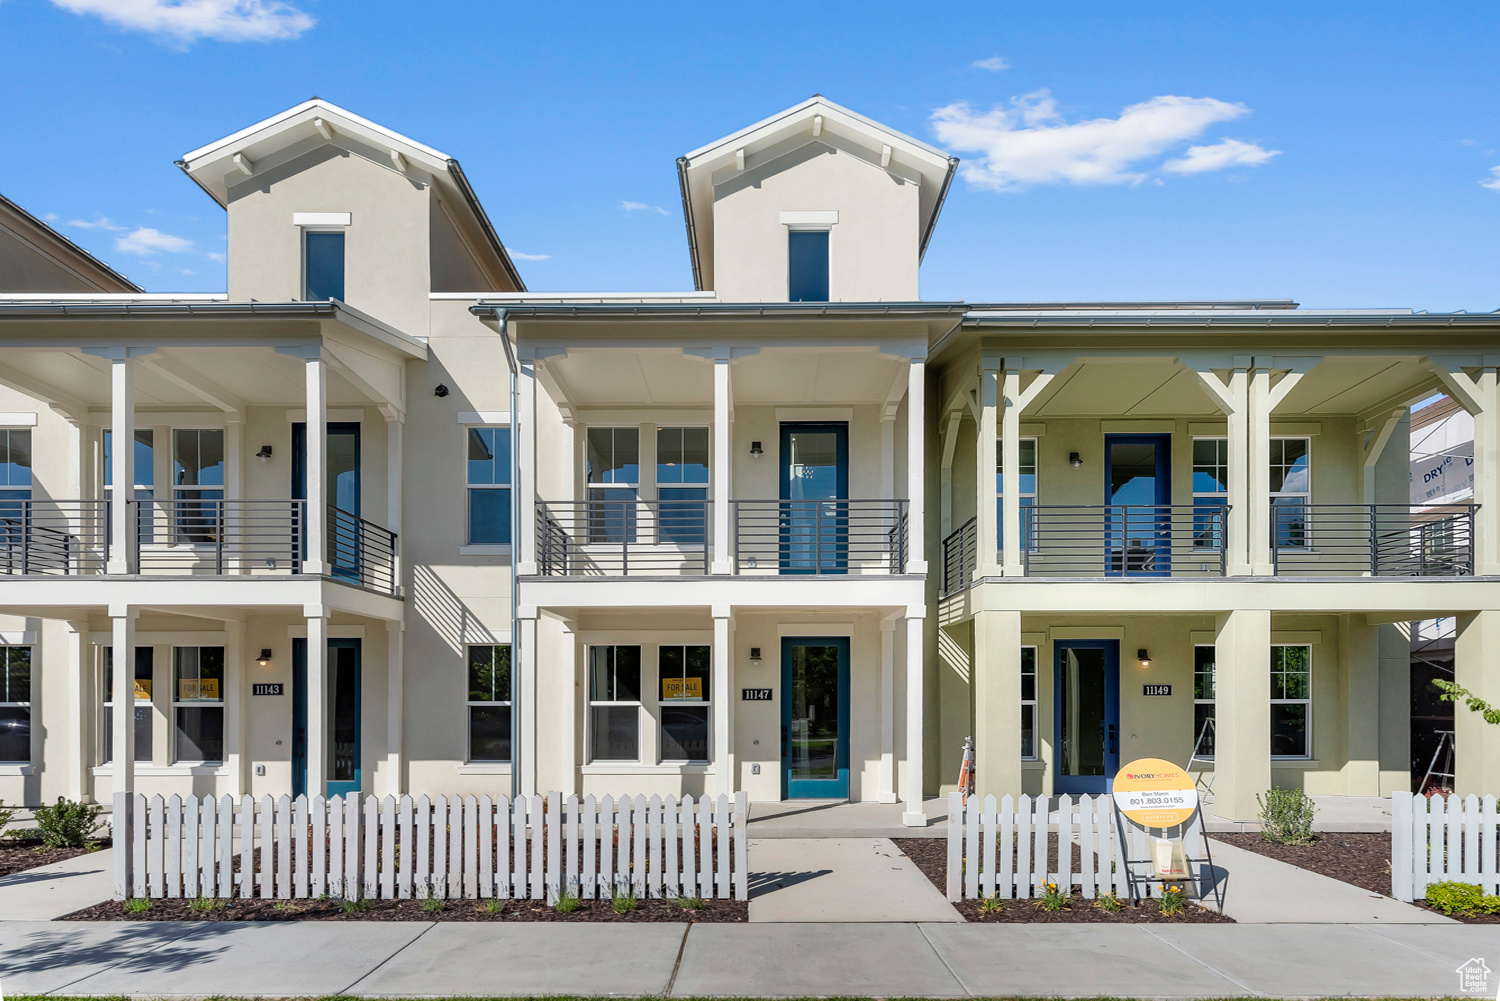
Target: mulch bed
(1363, 860)
(258, 909)
(931, 856)
(18, 856)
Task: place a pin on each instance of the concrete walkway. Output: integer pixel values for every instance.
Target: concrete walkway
(879, 960)
(840, 879)
(837, 818)
(50, 891)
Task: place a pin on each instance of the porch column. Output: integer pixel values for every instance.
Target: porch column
(395, 695)
(1473, 382)
(80, 689)
(317, 695)
(234, 706)
(987, 536)
(523, 744)
(1231, 393)
(916, 466)
(122, 642)
(395, 428)
(1258, 472)
(888, 709)
(523, 431)
(723, 468)
(1476, 666)
(997, 702)
(315, 561)
(911, 785)
(122, 462)
(1359, 654)
(1242, 712)
(1015, 401)
(723, 702)
(234, 465)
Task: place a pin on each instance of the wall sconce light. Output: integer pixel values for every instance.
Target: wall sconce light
(751, 562)
(1144, 656)
(755, 448)
(264, 453)
(755, 655)
(1075, 460)
(441, 390)
(264, 660)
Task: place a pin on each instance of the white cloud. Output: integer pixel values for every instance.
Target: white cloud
(1493, 181)
(98, 222)
(213, 256)
(527, 257)
(1030, 143)
(1229, 153)
(145, 242)
(642, 207)
(187, 21)
(994, 64)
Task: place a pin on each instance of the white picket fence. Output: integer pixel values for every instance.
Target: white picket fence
(384, 848)
(1442, 838)
(978, 865)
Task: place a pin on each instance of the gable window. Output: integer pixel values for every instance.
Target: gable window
(489, 486)
(15, 471)
(807, 265)
(614, 703)
(1026, 488)
(1028, 703)
(198, 704)
(323, 265)
(144, 713)
(1203, 700)
(1291, 700)
(682, 485)
(614, 476)
(489, 703)
(1210, 491)
(684, 705)
(15, 704)
(198, 482)
(1291, 490)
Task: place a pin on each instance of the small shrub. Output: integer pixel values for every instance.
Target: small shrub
(1467, 899)
(495, 906)
(433, 905)
(566, 904)
(1172, 901)
(356, 906)
(1110, 903)
(690, 903)
(67, 824)
(623, 903)
(137, 905)
(991, 904)
(7, 812)
(1286, 817)
(206, 904)
(1053, 898)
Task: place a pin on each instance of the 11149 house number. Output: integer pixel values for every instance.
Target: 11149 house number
(1156, 689)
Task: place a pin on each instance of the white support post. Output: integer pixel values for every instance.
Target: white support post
(1258, 473)
(395, 428)
(122, 462)
(723, 702)
(887, 792)
(317, 698)
(987, 521)
(523, 431)
(122, 642)
(80, 662)
(525, 743)
(234, 706)
(888, 455)
(1476, 388)
(911, 786)
(1010, 475)
(723, 468)
(916, 467)
(1232, 398)
(997, 702)
(234, 464)
(1242, 718)
(1380, 437)
(395, 695)
(316, 560)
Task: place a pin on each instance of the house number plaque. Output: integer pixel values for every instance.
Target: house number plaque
(755, 694)
(1156, 689)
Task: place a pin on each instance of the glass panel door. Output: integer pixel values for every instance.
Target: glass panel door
(1088, 715)
(1138, 523)
(342, 745)
(341, 489)
(814, 525)
(815, 717)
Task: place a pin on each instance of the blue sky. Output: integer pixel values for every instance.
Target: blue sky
(1332, 152)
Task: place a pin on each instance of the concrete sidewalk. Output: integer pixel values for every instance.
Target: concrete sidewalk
(50, 891)
(840, 879)
(879, 960)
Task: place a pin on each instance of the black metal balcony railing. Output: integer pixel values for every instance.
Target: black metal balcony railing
(1123, 540)
(215, 536)
(820, 537)
(53, 537)
(613, 538)
(1381, 540)
(960, 556)
(361, 552)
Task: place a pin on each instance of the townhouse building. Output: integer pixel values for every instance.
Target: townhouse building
(397, 523)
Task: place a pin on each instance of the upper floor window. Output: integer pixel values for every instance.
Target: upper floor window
(613, 476)
(807, 265)
(1291, 490)
(1210, 491)
(198, 482)
(489, 486)
(682, 484)
(322, 265)
(1026, 488)
(15, 470)
(145, 463)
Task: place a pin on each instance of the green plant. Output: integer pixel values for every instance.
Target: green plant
(623, 903)
(566, 904)
(1467, 899)
(1110, 903)
(206, 904)
(495, 906)
(1053, 898)
(1172, 901)
(1457, 693)
(690, 903)
(433, 905)
(67, 824)
(991, 904)
(7, 812)
(356, 906)
(137, 905)
(1286, 817)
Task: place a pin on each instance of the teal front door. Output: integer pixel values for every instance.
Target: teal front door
(342, 752)
(815, 717)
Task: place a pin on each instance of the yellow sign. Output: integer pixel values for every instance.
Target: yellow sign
(143, 689)
(189, 689)
(1155, 793)
(681, 689)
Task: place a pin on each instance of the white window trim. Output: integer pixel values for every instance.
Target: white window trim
(482, 548)
(469, 761)
(590, 704)
(1305, 495)
(659, 703)
(107, 707)
(177, 704)
(1206, 702)
(322, 220)
(810, 219)
(1209, 494)
(1306, 754)
(1036, 474)
(31, 750)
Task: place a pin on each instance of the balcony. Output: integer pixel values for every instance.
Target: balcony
(1376, 540)
(195, 537)
(612, 538)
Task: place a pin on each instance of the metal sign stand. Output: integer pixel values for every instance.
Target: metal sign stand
(1133, 880)
(1197, 755)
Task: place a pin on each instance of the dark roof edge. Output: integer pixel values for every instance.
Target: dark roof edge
(1143, 304)
(937, 208)
(1307, 319)
(484, 223)
(723, 308)
(69, 243)
(687, 217)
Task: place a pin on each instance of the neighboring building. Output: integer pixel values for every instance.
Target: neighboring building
(34, 257)
(729, 501)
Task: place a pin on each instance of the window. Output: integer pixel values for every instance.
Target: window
(15, 475)
(198, 482)
(144, 714)
(615, 703)
(1028, 703)
(1291, 489)
(807, 265)
(1027, 490)
(1203, 701)
(145, 473)
(685, 699)
(1210, 491)
(1291, 700)
(198, 703)
(682, 485)
(323, 257)
(15, 704)
(614, 475)
(489, 486)
(489, 703)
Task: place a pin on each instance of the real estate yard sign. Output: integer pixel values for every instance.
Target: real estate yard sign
(1157, 794)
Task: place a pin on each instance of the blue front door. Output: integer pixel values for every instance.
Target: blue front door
(814, 522)
(815, 717)
(1138, 490)
(1086, 696)
(342, 491)
(342, 751)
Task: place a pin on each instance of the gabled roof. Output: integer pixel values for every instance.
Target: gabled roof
(813, 118)
(223, 163)
(60, 252)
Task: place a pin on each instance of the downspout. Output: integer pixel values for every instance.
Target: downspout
(515, 555)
